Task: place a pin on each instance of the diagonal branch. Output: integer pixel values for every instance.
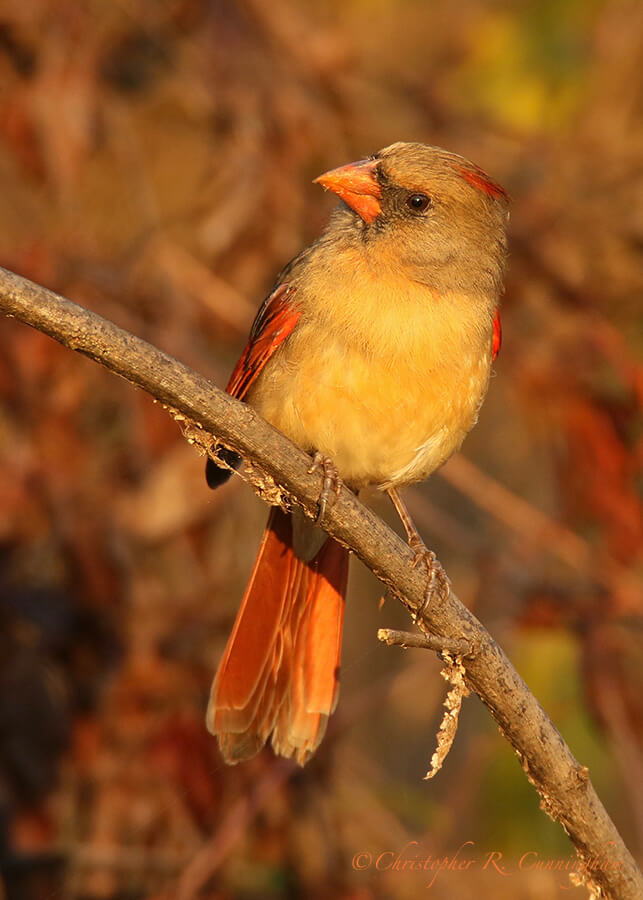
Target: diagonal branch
(278, 471)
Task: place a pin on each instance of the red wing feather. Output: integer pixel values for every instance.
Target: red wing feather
(497, 336)
(274, 322)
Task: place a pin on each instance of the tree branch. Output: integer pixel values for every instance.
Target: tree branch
(278, 471)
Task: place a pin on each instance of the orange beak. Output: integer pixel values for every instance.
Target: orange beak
(357, 186)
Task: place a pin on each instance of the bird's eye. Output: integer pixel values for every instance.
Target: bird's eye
(418, 203)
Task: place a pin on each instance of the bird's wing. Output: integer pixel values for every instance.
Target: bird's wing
(274, 322)
(497, 336)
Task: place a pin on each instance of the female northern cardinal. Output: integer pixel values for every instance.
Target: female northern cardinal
(374, 351)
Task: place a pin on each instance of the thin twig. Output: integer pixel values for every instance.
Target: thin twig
(423, 641)
(278, 470)
(540, 529)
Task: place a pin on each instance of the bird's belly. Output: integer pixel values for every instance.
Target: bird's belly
(382, 423)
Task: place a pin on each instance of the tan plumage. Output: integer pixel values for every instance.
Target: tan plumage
(387, 407)
(389, 324)
(390, 360)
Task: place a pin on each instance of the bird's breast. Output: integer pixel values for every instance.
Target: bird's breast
(387, 389)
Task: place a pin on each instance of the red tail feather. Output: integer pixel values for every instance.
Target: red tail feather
(278, 677)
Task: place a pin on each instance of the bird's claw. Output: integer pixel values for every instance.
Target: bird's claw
(437, 579)
(331, 484)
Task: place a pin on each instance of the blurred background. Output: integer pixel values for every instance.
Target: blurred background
(156, 162)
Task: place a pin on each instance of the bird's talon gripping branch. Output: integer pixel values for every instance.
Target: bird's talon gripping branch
(437, 581)
(438, 578)
(331, 484)
(419, 549)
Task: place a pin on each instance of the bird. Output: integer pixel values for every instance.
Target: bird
(372, 352)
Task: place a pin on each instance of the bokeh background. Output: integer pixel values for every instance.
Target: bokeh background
(156, 162)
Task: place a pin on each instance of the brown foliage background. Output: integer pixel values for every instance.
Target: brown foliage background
(155, 165)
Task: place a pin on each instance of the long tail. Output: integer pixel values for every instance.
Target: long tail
(278, 677)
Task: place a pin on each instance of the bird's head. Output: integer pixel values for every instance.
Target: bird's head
(432, 211)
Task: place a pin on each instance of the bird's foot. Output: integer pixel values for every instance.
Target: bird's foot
(437, 582)
(331, 484)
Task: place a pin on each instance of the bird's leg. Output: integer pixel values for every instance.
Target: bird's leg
(437, 580)
(331, 483)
